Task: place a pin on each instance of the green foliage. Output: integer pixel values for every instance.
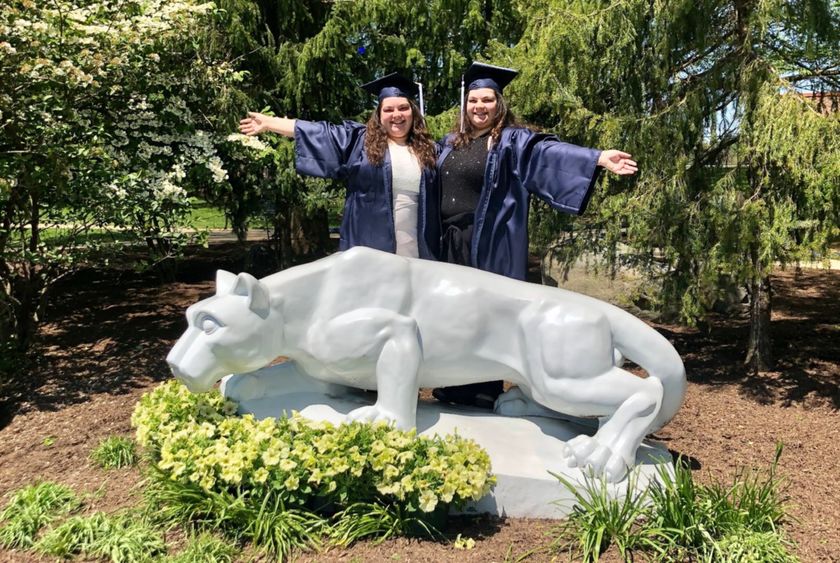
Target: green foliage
(104, 127)
(279, 529)
(115, 452)
(291, 483)
(240, 514)
(706, 520)
(738, 169)
(31, 508)
(122, 539)
(193, 440)
(678, 519)
(205, 548)
(369, 520)
(598, 520)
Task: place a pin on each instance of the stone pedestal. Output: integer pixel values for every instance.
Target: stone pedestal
(522, 450)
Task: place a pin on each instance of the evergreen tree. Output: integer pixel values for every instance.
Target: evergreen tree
(306, 59)
(739, 169)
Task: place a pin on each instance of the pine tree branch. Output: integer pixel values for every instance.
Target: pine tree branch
(700, 56)
(794, 57)
(814, 73)
(710, 155)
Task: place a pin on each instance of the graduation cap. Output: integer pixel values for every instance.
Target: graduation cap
(395, 85)
(481, 75)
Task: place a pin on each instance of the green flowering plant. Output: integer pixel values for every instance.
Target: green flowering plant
(197, 439)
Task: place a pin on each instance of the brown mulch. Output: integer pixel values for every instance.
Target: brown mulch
(108, 334)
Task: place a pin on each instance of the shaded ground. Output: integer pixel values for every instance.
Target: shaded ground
(108, 334)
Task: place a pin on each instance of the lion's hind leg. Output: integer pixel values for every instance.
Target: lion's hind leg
(612, 450)
(573, 371)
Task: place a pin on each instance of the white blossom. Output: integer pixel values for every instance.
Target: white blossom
(247, 140)
(214, 165)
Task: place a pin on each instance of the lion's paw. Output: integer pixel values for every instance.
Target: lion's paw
(514, 402)
(243, 387)
(587, 452)
(372, 413)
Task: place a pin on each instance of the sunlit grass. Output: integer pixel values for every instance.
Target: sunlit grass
(678, 519)
(31, 508)
(205, 216)
(115, 452)
(205, 548)
(123, 537)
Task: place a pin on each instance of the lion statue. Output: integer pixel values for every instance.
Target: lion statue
(373, 320)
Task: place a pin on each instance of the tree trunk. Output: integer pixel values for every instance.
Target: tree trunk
(310, 233)
(26, 318)
(238, 210)
(759, 356)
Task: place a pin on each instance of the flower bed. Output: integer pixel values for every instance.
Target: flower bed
(198, 440)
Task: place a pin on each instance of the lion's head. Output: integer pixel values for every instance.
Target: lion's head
(235, 331)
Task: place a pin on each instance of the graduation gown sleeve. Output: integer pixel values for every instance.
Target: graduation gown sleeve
(522, 164)
(324, 149)
(562, 174)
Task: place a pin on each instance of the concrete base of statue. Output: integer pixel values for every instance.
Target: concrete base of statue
(523, 450)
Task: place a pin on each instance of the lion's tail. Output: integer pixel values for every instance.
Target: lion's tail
(641, 344)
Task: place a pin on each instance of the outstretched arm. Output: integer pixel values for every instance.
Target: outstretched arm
(257, 123)
(617, 162)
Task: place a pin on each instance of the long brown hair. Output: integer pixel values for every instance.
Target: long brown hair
(419, 140)
(504, 118)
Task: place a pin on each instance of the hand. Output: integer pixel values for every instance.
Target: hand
(254, 124)
(617, 162)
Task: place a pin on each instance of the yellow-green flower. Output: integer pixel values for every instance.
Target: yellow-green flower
(271, 457)
(390, 472)
(428, 501)
(287, 464)
(292, 482)
(388, 488)
(260, 475)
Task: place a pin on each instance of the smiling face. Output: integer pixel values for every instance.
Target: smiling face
(396, 117)
(481, 108)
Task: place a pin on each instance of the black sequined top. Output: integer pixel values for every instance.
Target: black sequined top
(462, 177)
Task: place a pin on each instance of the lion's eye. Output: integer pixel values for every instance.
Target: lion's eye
(209, 324)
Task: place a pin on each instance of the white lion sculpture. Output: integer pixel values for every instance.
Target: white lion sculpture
(373, 320)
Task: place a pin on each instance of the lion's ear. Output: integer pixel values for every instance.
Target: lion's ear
(257, 294)
(224, 282)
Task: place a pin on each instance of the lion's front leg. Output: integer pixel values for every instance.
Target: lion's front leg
(393, 341)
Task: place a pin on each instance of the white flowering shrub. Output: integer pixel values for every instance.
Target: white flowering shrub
(196, 439)
(263, 187)
(106, 120)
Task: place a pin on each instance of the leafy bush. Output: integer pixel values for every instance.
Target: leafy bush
(274, 481)
(677, 519)
(115, 452)
(598, 519)
(30, 509)
(193, 439)
(105, 129)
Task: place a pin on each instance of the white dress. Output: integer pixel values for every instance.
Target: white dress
(405, 182)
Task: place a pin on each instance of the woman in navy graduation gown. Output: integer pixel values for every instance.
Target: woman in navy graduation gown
(489, 167)
(388, 165)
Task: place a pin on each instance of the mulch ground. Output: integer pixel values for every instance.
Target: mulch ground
(108, 333)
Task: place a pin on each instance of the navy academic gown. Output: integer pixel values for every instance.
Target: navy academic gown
(521, 164)
(333, 151)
